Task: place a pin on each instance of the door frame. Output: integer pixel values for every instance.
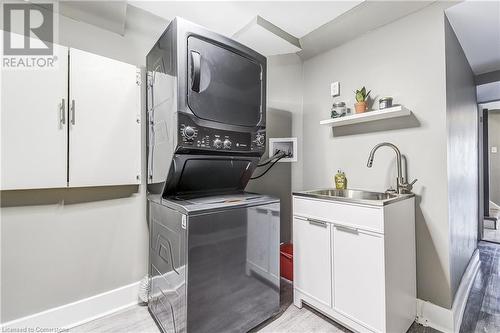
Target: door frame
(486, 163)
(483, 163)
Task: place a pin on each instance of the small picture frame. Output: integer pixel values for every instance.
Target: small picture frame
(288, 145)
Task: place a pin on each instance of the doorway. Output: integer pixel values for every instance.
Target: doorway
(489, 165)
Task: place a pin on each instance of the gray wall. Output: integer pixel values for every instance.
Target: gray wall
(278, 181)
(285, 92)
(61, 245)
(284, 119)
(461, 116)
(406, 60)
(494, 158)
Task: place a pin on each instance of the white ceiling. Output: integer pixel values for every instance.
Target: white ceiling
(109, 15)
(477, 26)
(298, 18)
(319, 25)
(267, 39)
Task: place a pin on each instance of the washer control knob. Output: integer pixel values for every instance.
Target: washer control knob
(227, 144)
(189, 132)
(218, 143)
(259, 139)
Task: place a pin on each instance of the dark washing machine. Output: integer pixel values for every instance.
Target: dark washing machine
(214, 249)
(214, 262)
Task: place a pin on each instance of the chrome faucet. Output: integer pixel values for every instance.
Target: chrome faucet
(402, 187)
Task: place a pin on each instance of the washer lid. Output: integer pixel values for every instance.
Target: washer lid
(218, 202)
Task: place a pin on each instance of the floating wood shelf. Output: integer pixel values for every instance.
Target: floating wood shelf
(395, 111)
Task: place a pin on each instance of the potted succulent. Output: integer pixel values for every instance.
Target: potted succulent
(361, 100)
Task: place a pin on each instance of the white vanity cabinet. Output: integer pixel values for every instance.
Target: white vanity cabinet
(356, 262)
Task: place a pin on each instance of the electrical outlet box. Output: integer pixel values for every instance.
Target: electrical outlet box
(335, 89)
(288, 145)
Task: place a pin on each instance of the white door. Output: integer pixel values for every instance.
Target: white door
(104, 115)
(312, 272)
(34, 126)
(358, 276)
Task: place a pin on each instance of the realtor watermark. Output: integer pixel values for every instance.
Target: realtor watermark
(28, 36)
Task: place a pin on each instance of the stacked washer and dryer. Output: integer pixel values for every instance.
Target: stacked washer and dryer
(214, 249)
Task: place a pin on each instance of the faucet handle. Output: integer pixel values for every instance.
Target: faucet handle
(408, 187)
(391, 190)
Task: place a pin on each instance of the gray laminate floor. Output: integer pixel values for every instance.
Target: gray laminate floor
(136, 319)
(482, 312)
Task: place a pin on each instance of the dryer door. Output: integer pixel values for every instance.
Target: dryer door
(223, 86)
(205, 174)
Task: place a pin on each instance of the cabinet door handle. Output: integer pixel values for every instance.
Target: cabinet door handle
(151, 143)
(352, 230)
(261, 210)
(317, 222)
(62, 113)
(73, 120)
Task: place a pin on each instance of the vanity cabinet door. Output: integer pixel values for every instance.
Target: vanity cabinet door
(358, 276)
(312, 259)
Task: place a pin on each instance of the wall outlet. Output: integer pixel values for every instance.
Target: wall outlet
(494, 150)
(335, 89)
(288, 145)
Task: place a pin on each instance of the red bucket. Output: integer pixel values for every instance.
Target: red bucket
(286, 261)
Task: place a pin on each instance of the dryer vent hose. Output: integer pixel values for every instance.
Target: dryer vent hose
(144, 289)
(276, 157)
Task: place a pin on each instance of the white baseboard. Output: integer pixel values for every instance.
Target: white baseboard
(449, 320)
(463, 291)
(429, 314)
(79, 312)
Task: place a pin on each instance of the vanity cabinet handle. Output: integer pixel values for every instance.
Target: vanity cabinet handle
(317, 223)
(352, 230)
(261, 210)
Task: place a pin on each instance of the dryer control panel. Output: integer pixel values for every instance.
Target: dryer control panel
(206, 138)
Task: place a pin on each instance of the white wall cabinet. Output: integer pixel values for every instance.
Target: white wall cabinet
(104, 114)
(356, 263)
(89, 136)
(34, 129)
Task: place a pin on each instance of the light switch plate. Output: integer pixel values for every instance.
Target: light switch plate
(494, 150)
(335, 89)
